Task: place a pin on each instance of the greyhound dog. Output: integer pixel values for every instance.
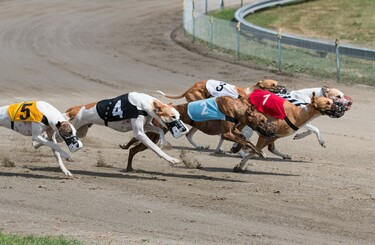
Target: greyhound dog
(216, 116)
(303, 97)
(43, 123)
(133, 111)
(288, 117)
(214, 88)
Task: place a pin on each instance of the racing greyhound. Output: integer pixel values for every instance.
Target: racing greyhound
(43, 123)
(130, 112)
(288, 117)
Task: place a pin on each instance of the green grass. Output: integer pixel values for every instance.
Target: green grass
(225, 14)
(312, 18)
(352, 21)
(12, 239)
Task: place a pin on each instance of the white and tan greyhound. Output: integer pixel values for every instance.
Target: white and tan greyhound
(130, 112)
(302, 98)
(43, 123)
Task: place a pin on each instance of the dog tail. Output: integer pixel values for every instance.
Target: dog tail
(171, 96)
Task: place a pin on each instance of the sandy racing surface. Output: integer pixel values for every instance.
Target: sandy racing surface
(75, 52)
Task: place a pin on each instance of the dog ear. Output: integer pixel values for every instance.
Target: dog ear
(314, 99)
(157, 108)
(327, 90)
(260, 84)
(58, 124)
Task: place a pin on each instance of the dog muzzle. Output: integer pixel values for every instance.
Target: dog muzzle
(73, 143)
(177, 128)
(340, 106)
(279, 90)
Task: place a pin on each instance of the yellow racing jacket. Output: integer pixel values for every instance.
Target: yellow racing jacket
(25, 111)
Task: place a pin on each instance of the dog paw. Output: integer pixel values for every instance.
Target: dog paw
(36, 144)
(202, 147)
(322, 143)
(68, 173)
(123, 146)
(287, 157)
(172, 161)
(237, 169)
(219, 151)
(235, 148)
(297, 137)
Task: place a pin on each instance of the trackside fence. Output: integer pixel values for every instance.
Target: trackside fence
(272, 49)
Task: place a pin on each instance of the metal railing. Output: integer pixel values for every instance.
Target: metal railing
(293, 40)
(267, 48)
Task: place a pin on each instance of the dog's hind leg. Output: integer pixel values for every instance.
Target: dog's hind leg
(262, 142)
(272, 148)
(154, 129)
(138, 148)
(131, 142)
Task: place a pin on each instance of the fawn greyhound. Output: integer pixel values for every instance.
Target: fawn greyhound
(288, 117)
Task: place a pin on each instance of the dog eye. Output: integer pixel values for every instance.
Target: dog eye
(174, 117)
(338, 96)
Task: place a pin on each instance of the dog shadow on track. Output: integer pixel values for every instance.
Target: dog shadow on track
(31, 175)
(249, 172)
(94, 173)
(252, 172)
(188, 176)
(137, 174)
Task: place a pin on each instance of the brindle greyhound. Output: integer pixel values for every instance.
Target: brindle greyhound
(295, 117)
(213, 88)
(239, 112)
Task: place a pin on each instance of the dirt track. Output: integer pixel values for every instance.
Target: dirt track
(75, 52)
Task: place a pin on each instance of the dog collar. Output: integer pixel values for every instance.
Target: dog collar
(290, 124)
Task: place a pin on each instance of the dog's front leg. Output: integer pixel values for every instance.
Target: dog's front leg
(189, 136)
(138, 133)
(49, 140)
(219, 145)
(59, 160)
(316, 131)
(311, 129)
